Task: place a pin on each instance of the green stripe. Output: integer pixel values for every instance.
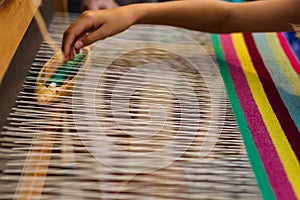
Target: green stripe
(68, 69)
(254, 158)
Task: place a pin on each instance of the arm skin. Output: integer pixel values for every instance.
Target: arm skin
(203, 15)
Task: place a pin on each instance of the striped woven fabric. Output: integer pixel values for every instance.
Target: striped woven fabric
(261, 74)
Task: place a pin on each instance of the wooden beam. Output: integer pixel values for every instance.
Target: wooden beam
(15, 16)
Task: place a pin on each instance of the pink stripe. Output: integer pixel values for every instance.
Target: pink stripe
(290, 54)
(273, 166)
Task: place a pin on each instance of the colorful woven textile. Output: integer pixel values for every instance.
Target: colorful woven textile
(261, 73)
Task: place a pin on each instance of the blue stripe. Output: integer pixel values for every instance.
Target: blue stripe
(282, 84)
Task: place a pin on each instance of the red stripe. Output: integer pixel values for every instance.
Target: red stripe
(273, 166)
(289, 53)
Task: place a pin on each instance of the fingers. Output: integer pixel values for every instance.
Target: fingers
(72, 36)
(93, 26)
(92, 37)
(67, 44)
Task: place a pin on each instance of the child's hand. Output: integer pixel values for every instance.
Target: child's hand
(92, 26)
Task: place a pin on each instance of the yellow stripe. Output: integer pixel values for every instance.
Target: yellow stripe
(284, 63)
(283, 148)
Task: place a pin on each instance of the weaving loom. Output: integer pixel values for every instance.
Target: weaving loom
(150, 119)
(48, 158)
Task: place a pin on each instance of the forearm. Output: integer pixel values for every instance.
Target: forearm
(201, 15)
(222, 17)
